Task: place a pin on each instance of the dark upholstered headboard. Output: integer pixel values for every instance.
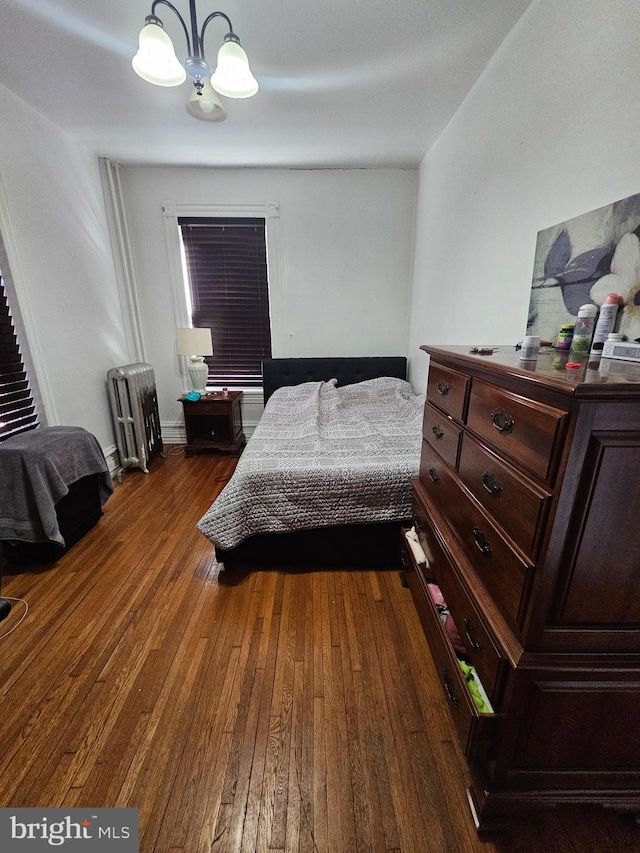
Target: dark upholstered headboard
(277, 372)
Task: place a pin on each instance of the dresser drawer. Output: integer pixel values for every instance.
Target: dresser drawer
(480, 647)
(517, 503)
(441, 433)
(481, 650)
(472, 726)
(503, 572)
(448, 389)
(433, 474)
(527, 431)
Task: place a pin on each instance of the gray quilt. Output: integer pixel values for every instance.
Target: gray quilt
(323, 456)
(36, 470)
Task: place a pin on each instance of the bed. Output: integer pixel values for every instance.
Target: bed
(325, 478)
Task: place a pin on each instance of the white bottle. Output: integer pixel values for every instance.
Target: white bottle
(584, 328)
(530, 348)
(606, 321)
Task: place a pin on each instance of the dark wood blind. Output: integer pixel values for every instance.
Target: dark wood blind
(227, 269)
(17, 409)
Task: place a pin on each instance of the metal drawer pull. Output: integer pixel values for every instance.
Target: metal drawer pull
(437, 432)
(473, 640)
(443, 388)
(502, 421)
(448, 687)
(491, 484)
(481, 541)
(433, 475)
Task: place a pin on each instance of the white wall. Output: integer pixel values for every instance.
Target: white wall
(550, 131)
(346, 246)
(61, 262)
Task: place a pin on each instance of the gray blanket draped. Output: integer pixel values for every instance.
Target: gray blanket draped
(36, 470)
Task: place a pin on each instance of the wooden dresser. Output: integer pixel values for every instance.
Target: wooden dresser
(527, 507)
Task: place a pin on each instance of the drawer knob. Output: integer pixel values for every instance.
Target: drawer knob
(448, 687)
(433, 475)
(491, 484)
(474, 642)
(502, 421)
(443, 388)
(437, 432)
(482, 543)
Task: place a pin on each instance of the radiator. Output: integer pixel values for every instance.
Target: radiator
(134, 405)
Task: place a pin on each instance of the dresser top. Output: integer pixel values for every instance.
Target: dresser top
(596, 376)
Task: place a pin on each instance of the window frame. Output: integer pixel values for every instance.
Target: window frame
(270, 212)
(22, 414)
(23, 320)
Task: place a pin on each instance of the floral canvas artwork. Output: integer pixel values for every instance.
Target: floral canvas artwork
(581, 261)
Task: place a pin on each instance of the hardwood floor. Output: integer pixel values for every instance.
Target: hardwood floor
(266, 711)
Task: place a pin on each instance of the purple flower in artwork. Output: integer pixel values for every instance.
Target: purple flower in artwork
(591, 276)
(576, 276)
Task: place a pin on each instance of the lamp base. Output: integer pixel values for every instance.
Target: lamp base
(198, 373)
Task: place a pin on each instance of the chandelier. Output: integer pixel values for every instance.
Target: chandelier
(156, 62)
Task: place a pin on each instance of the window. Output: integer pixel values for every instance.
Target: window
(266, 211)
(17, 408)
(226, 267)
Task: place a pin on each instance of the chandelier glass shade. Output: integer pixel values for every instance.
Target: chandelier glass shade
(204, 103)
(156, 59)
(156, 62)
(233, 76)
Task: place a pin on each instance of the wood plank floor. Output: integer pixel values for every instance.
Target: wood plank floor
(266, 711)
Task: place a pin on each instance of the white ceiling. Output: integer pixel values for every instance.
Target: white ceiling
(361, 83)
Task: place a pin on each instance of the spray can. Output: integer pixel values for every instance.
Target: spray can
(606, 321)
(584, 328)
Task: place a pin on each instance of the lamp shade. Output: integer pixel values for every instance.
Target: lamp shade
(233, 76)
(156, 59)
(194, 342)
(206, 104)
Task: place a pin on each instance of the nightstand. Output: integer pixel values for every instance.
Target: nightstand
(214, 422)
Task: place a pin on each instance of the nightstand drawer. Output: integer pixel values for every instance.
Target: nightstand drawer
(441, 433)
(448, 389)
(206, 407)
(527, 431)
(515, 502)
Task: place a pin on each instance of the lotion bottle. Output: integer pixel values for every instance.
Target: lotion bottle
(584, 328)
(606, 321)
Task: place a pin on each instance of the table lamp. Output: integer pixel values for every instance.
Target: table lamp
(196, 343)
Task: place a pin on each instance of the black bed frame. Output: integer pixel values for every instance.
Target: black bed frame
(346, 545)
